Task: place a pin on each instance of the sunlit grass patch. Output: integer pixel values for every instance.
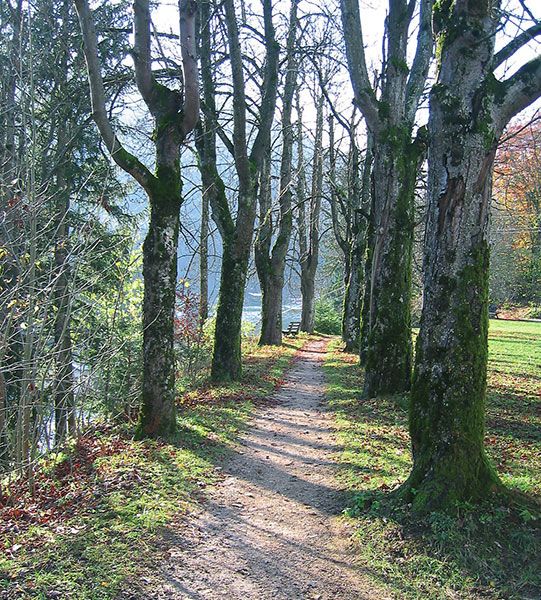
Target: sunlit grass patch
(484, 552)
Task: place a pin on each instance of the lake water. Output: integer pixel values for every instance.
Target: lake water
(291, 311)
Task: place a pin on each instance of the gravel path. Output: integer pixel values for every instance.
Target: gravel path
(268, 530)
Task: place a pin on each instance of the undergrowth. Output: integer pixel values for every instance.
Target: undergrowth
(98, 507)
(488, 551)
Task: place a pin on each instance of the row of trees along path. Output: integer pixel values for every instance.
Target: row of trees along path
(469, 109)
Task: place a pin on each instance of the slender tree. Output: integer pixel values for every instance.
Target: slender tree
(236, 232)
(308, 221)
(390, 120)
(175, 115)
(469, 108)
(271, 259)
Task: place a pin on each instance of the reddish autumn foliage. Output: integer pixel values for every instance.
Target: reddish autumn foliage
(57, 494)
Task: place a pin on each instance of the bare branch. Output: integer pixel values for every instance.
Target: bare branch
(421, 61)
(521, 40)
(365, 97)
(120, 155)
(519, 91)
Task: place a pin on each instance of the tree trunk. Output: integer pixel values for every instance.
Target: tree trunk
(353, 299)
(270, 265)
(204, 259)
(448, 395)
(175, 116)
(271, 323)
(308, 311)
(389, 349)
(469, 109)
(351, 320)
(157, 417)
(226, 359)
(309, 232)
(64, 391)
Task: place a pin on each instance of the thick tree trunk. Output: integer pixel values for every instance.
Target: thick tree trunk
(448, 397)
(157, 417)
(468, 110)
(308, 301)
(389, 350)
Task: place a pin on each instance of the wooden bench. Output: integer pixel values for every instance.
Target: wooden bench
(293, 328)
(493, 311)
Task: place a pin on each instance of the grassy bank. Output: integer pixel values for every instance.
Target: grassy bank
(485, 552)
(95, 517)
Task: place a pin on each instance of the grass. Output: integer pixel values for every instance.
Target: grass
(482, 552)
(98, 508)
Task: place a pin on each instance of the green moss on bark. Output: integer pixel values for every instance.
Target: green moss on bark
(389, 347)
(448, 399)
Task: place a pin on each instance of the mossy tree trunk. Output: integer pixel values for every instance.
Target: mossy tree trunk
(353, 299)
(386, 343)
(236, 233)
(226, 358)
(271, 261)
(389, 346)
(175, 116)
(157, 418)
(469, 109)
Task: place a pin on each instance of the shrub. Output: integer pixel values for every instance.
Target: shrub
(328, 318)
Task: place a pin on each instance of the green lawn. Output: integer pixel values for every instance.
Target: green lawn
(93, 521)
(486, 552)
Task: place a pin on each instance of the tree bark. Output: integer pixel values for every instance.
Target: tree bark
(468, 110)
(271, 264)
(353, 299)
(157, 418)
(309, 232)
(175, 116)
(389, 349)
(386, 332)
(226, 363)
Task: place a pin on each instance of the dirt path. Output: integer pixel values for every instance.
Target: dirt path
(267, 531)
